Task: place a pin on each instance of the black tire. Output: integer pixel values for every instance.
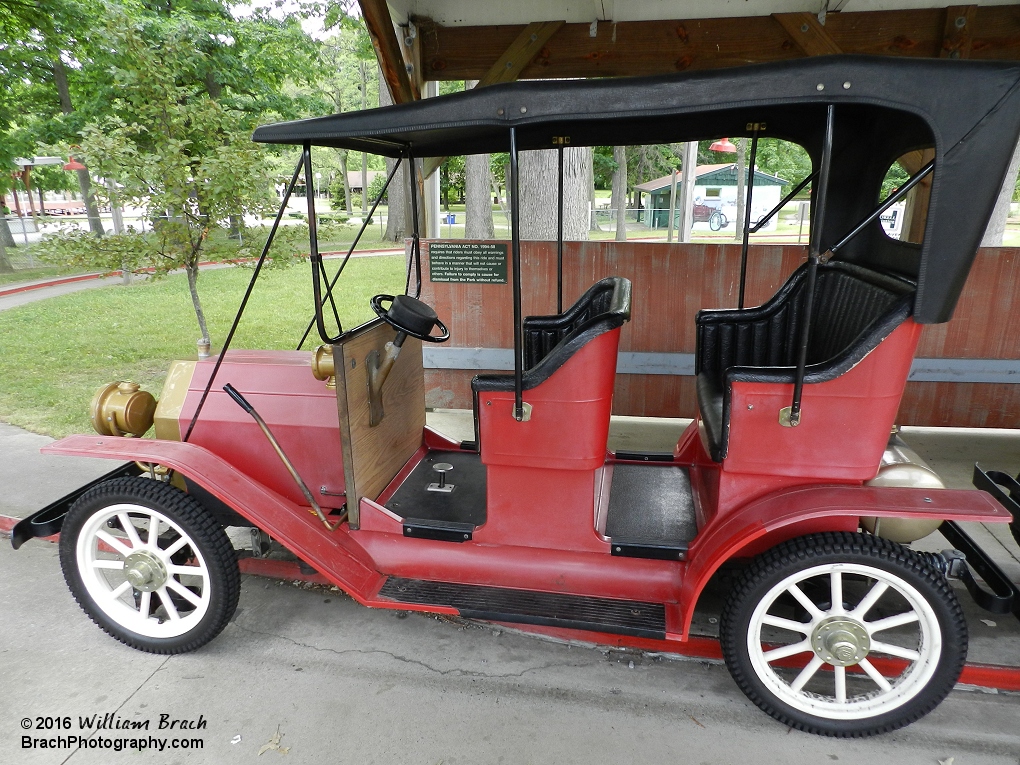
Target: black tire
(187, 537)
(1015, 528)
(763, 592)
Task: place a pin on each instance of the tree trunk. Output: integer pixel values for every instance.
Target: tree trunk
(478, 198)
(741, 186)
(997, 223)
(60, 80)
(538, 204)
(191, 267)
(347, 181)
(6, 237)
(619, 201)
(396, 221)
(5, 265)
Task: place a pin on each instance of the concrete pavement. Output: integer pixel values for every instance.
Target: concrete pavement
(343, 683)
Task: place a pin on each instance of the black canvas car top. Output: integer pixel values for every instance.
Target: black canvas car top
(969, 112)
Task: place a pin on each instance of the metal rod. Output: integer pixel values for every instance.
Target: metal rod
(747, 216)
(818, 204)
(901, 192)
(314, 257)
(782, 203)
(415, 230)
(242, 402)
(559, 235)
(515, 244)
(350, 250)
(244, 300)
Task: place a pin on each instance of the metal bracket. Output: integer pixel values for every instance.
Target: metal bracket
(1004, 597)
(786, 418)
(525, 412)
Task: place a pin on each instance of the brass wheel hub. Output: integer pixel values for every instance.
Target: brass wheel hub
(840, 641)
(145, 571)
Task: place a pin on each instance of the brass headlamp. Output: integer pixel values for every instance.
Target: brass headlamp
(122, 409)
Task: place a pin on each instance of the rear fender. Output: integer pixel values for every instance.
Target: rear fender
(334, 554)
(790, 513)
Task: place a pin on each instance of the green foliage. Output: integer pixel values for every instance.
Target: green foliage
(376, 187)
(895, 177)
(117, 333)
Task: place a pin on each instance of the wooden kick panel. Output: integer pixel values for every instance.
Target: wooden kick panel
(374, 455)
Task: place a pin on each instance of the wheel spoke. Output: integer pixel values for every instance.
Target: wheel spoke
(184, 592)
(144, 604)
(836, 592)
(177, 545)
(894, 650)
(869, 600)
(787, 650)
(106, 563)
(153, 531)
(807, 673)
(129, 529)
(116, 593)
(117, 544)
(907, 617)
(168, 604)
(805, 601)
(174, 569)
(840, 674)
(875, 675)
(786, 624)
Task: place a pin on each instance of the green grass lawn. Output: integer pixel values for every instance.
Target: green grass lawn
(54, 354)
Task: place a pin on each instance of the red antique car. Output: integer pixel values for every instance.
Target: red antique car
(834, 625)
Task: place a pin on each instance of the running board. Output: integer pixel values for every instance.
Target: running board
(498, 604)
(49, 520)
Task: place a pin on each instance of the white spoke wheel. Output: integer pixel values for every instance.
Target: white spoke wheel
(844, 635)
(149, 565)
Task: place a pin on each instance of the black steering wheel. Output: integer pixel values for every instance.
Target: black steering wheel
(411, 317)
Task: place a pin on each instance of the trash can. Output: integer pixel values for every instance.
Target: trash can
(451, 218)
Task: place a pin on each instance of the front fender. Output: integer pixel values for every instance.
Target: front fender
(334, 554)
(790, 513)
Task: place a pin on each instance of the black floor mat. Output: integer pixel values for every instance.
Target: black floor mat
(465, 504)
(651, 504)
(625, 617)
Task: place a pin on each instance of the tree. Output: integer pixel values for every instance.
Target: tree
(539, 171)
(619, 201)
(181, 157)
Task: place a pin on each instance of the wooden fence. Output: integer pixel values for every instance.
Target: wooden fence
(960, 377)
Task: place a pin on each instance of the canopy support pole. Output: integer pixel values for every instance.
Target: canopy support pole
(415, 230)
(782, 203)
(515, 245)
(747, 215)
(559, 235)
(247, 294)
(350, 250)
(877, 212)
(791, 417)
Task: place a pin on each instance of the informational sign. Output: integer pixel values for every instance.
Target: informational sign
(469, 262)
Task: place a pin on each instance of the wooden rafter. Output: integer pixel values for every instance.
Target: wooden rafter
(807, 33)
(387, 49)
(629, 48)
(508, 67)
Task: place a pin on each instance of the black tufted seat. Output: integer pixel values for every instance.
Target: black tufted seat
(854, 310)
(549, 341)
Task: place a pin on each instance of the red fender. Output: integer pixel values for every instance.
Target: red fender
(339, 558)
(795, 512)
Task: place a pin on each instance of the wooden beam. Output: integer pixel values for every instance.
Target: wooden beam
(387, 49)
(508, 67)
(520, 53)
(807, 34)
(957, 38)
(629, 48)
